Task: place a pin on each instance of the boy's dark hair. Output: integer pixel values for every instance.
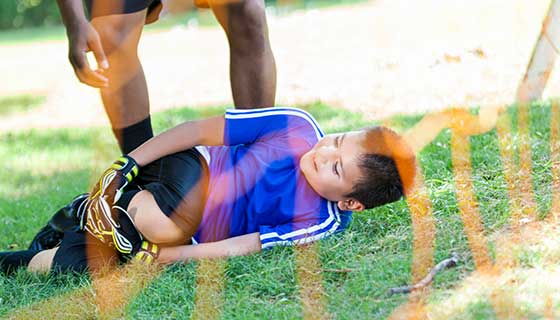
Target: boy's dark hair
(388, 168)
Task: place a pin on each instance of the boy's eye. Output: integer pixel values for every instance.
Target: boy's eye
(335, 169)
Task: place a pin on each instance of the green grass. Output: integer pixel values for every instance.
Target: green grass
(16, 104)
(42, 169)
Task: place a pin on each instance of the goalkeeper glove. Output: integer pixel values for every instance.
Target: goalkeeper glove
(105, 223)
(115, 179)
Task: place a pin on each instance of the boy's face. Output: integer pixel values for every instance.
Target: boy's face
(331, 167)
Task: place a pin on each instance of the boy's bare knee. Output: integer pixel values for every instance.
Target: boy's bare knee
(42, 261)
(151, 222)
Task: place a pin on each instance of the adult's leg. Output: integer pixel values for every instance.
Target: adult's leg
(126, 98)
(252, 65)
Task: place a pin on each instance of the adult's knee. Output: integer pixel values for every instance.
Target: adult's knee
(112, 39)
(246, 26)
(121, 48)
(119, 34)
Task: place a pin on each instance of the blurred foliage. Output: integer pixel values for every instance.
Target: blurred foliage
(18, 14)
(28, 13)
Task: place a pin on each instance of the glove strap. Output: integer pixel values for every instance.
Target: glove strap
(148, 252)
(127, 165)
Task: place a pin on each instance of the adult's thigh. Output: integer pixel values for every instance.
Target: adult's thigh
(244, 22)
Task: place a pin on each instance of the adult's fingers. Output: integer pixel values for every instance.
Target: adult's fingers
(97, 49)
(84, 72)
(92, 78)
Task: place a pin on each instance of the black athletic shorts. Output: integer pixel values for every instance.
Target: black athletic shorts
(178, 183)
(80, 252)
(97, 8)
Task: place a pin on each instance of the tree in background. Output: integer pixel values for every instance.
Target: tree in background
(28, 13)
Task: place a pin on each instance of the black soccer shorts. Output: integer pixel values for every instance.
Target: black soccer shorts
(98, 8)
(178, 183)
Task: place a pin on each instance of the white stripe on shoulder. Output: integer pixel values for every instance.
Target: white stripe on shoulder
(333, 215)
(273, 111)
(335, 210)
(302, 240)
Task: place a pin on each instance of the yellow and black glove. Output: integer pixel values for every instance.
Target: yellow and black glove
(112, 182)
(99, 213)
(102, 221)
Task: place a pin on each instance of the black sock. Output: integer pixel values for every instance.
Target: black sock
(10, 261)
(131, 137)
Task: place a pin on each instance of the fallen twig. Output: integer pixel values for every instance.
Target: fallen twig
(447, 263)
(338, 270)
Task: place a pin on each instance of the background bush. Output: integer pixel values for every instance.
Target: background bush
(17, 14)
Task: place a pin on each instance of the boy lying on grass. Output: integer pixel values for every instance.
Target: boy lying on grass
(232, 185)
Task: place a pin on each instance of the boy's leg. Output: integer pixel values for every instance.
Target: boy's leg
(139, 217)
(252, 65)
(10, 261)
(78, 252)
(66, 218)
(152, 223)
(42, 261)
(174, 196)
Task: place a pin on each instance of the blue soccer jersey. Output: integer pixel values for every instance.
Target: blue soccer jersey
(256, 183)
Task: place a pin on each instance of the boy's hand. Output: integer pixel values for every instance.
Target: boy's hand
(112, 182)
(101, 220)
(82, 38)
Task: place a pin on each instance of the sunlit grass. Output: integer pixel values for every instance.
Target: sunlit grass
(42, 169)
(22, 103)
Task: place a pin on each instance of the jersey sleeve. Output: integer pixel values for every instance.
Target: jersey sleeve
(252, 125)
(301, 231)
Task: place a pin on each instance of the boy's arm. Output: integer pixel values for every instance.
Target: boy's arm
(236, 246)
(208, 132)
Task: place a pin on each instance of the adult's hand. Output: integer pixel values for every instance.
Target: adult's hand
(83, 38)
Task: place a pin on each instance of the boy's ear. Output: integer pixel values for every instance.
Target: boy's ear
(351, 204)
